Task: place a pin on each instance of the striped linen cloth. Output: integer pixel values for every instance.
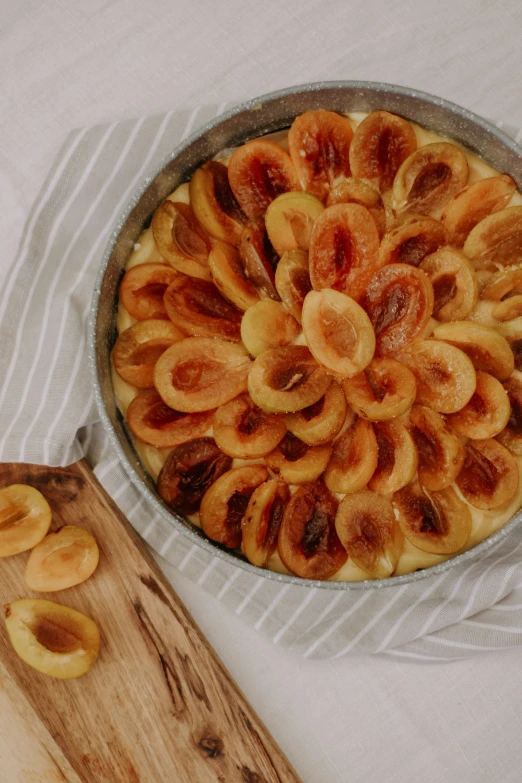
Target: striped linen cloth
(47, 415)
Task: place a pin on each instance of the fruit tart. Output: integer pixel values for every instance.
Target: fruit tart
(319, 350)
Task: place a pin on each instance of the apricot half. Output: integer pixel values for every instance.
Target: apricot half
(229, 276)
(487, 349)
(139, 347)
(322, 421)
(25, 518)
(292, 281)
(487, 412)
(354, 458)
(267, 325)
(384, 390)
(197, 307)
(142, 290)
(397, 457)
(245, 431)
(489, 477)
(63, 559)
(454, 282)
(474, 203)
(214, 204)
(497, 238)
(262, 520)
(181, 239)
(289, 221)
(381, 143)
(54, 639)
(411, 240)
(287, 379)
(153, 422)
(258, 257)
(441, 453)
(503, 284)
(357, 191)
(296, 462)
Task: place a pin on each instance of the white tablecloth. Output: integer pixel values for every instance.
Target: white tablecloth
(64, 65)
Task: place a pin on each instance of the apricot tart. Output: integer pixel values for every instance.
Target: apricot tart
(320, 350)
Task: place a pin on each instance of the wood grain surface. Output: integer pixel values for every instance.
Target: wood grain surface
(157, 705)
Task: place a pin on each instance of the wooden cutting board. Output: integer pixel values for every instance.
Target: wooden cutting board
(157, 706)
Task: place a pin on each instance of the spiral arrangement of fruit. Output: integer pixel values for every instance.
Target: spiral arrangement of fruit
(320, 338)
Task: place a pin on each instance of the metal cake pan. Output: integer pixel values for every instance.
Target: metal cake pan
(268, 113)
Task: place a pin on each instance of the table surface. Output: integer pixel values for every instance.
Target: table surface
(65, 65)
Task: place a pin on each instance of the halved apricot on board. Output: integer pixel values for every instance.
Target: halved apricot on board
(267, 325)
(411, 240)
(197, 307)
(225, 502)
(139, 347)
(289, 220)
(181, 239)
(262, 520)
(487, 412)
(487, 349)
(153, 422)
(497, 238)
(454, 282)
(258, 257)
(384, 390)
(25, 518)
(142, 290)
(357, 191)
(287, 379)
(258, 172)
(214, 204)
(62, 559)
(429, 178)
(399, 301)
(245, 431)
(292, 281)
(511, 435)
(296, 462)
(308, 543)
(474, 203)
(441, 453)
(200, 373)
(381, 143)
(445, 376)
(338, 332)
(319, 144)
(229, 277)
(322, 421)
(489, 477)
(397, 457)
(54, 639)
(189, 471)
(354, 458)
(437, 522)
(368, 530)
(344, 249)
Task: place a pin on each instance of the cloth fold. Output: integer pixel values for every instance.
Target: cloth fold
(47, 415)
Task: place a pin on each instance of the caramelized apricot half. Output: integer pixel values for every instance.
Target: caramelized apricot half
(197, 307)
(429, 178)
(411, 240)
(200, 373)
(54, 639)
(441, 453)
(474, 203)
(357, 191)
(487, 412)
(487, 349)
(262, 521)
(245, 431)
(229, 277)
(287, 379)
(308, 543)
(296, 462)
(436, 522)
(258, 172)
(384, 390)
(214, 204)
(153, 422)
(445, 376)
(508, 309)
(369, 532)
(322, 421)
(189, 471)
(319, 143)
(497, 238)
(454, 282)
(142, 290)
(63, 559)
(397, 457)
(489, 476)
(289, 220)
(25, 518)
(292, 281)
(258, 257)
(344, 249)
(139, 347)
(181, 239)
(354, 458)
(338, 332)
(399, 302)
(503, 284)
(267, 325)
(381, 143)
(511, 435)
(225, 502)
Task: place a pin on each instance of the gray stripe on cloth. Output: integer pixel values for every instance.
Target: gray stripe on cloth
(47, 415)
